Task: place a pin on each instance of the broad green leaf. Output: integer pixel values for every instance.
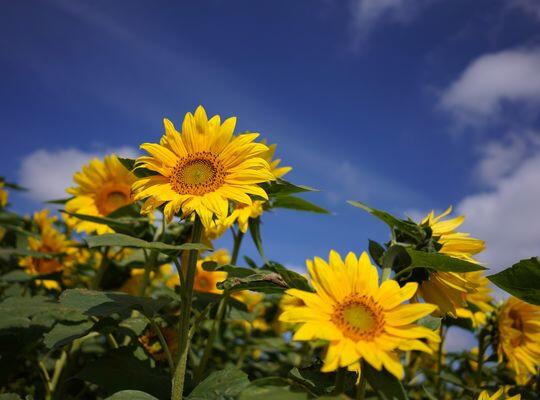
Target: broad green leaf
(297, 203)
(118, 239)
(22, 276)
(27, 253)
(255, 231)
(376, 251)
(224, 384)
(291, 278)
(64, 333)
(271, 393)
(409, 228)
(39, 306)
(264, 281)
(396, 258)
(121, 370)
(281, 187)
(441, 262)
(232, 270)
(121, 225)
(102, 304)
(131, 395)
(59, 201)
(387, 385)
(430, 322)
(521, 280)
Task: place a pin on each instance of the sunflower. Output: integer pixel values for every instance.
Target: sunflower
(205, 281)
(268, 155)
(3, 195)
(519, 337)
(484, 395)
(450, 290)
(359, 318)
(481, 299)
(102, 187)
(201, 169)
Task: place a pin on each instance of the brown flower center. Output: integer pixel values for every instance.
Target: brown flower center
(197, 174)
(359, 318)
(112, 197)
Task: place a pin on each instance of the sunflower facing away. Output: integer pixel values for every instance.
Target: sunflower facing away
(102, 187)
(449, 290)
(359, 318)
(519, 337)
(481, 299)
(202, 168)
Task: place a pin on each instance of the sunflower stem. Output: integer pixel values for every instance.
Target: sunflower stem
(481, 350)
(361, 387)
(163, 343)
(185, 313)
(339, 387)
(152, 260)
(438, 380)
(236, 246)
(102, 268)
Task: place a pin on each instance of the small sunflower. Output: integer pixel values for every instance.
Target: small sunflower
(359, 318)
(500, 394)
(519, 337)
(202, 168)
(205, 281)
(450, 290)
(3, 195)
(102, 187)
(481, 299)
(279, 172)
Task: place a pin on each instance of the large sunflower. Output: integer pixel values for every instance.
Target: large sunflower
(449, 290)
(519, 337)
(202, 168)
(359, 318)
(102, 187)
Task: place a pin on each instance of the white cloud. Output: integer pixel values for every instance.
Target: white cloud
(506, 217)
(47, 173)
(492, 80)
(368, 14)
(501, 158)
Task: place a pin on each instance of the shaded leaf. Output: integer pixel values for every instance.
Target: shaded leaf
(281, 187)
(297, 203)
(227, 383)
(266, 282)
(387, 385)
(521, 280)
(131, 395)
(64, 333)
(121, 225)
(255, 231)
(441, 262)
(118, 239)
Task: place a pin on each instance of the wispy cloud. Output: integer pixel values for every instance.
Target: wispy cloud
(47, 173)
(531, 7)
(492, 80)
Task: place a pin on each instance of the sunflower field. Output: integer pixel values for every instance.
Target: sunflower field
(121, 294)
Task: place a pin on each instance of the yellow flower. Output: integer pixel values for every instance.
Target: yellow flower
(359, 318)
(3, 195)
(43, 220)
(102, 187)
(205, 281)
(242, 213)
(201, 169)
(519, 337)
(268, 155)
(484, 395)
(450, 290)
(152, 345)
(481, 299)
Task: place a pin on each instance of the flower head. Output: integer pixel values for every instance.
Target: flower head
(102, 187)
(203, 168)
(498, 395)
(450, 290)
(480, 299)
(278, 171)
(519, 337)
(358, 317)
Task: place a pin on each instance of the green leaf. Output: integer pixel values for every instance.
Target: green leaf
(39, 306)
(521, 280)
(102, 304)
(387, 385)
(26, 253)
(396, 258)
(255, 231)
(59, 201)
(121, 370)
(64, 333)
(264, 281)
(441, 262)
(408, 228)
(376, 251)
(219, 385)
(118, 239)
(430, 322)
(271, 392)
(131, 395)
(291, 278)
(297, 203)
(129, 164)
(281, 187)
(121, 225)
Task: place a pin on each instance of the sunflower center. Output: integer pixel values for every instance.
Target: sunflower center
(359, 318)
(197, 174)
(112, 197)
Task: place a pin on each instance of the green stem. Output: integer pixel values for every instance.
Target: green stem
(46, 380)
(236, 246)
(103, 265)
(163, 343)
(438, 380)
(211, 338)
(361, 387)
(185, 313)
(481, 350)
(58, 367)
(339, 387)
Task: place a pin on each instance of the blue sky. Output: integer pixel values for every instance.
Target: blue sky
(406, 105)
